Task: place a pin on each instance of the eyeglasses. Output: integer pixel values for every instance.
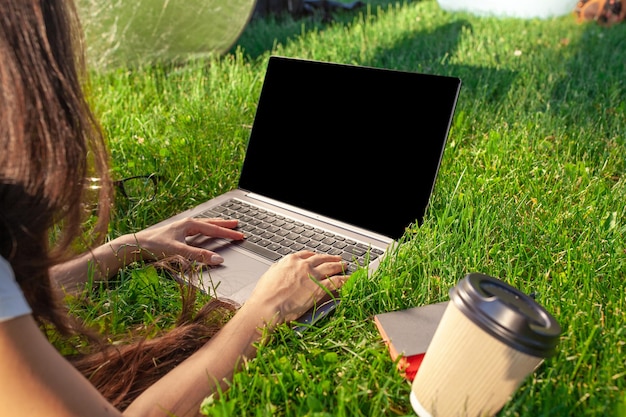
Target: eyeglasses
(139, 188)
(136, 189)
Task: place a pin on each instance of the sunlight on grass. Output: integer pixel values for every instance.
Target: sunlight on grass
(531, 190)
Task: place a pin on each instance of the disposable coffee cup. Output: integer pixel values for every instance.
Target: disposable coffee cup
(490, 338)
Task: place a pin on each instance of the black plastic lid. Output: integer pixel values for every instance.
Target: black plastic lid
(507, 314)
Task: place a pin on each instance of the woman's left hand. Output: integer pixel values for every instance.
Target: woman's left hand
(149, 244)
(171, 239)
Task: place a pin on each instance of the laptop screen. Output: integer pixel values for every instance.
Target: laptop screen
(358, 144)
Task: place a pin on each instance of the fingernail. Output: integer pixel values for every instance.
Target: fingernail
(216, 259)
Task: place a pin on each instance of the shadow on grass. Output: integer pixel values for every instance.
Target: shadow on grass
(262, 34)
(431, 50)
(594, 74)
(592, 94)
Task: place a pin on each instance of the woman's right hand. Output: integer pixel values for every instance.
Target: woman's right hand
(295, 284)
(287, 290)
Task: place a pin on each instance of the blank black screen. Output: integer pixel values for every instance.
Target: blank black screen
(359, 144)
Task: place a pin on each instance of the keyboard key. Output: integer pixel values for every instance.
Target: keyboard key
(274, 236)
(258, 250)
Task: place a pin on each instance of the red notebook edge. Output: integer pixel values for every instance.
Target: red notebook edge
(412, 329)
(407, 365)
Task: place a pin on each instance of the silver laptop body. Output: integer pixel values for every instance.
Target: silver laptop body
(336, 149)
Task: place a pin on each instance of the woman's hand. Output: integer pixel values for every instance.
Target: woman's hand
(170, 240)
(295, 284)
(149, 244)
(287, 290)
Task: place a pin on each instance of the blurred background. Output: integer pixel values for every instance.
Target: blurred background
(142, 31)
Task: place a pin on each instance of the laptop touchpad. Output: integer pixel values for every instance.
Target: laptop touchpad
(237, 276)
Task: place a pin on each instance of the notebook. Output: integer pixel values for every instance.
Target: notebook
(345, 156)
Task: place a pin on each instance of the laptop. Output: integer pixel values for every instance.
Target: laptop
(345, 156)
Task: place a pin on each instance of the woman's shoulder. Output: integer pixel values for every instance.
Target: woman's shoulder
(12, 301)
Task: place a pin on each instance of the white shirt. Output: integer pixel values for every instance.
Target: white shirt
(12, 301)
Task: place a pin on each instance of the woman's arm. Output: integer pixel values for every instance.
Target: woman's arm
(37, 380)
(284, 293)
(106, 260)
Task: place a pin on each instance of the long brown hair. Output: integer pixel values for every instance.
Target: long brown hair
(48, 133)
(50, 143)
(123, 371)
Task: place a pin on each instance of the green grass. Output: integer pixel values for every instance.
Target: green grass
(531, 190)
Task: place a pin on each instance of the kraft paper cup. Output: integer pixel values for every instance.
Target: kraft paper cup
(490, 338)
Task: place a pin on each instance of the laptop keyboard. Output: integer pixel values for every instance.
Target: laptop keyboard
(273, 236)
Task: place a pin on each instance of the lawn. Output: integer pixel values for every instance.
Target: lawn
(532, 190)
